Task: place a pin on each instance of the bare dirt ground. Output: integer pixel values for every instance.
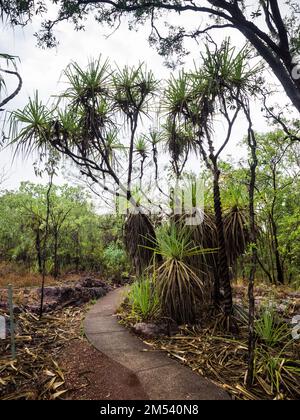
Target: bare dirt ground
(56, 361)
(90, 375)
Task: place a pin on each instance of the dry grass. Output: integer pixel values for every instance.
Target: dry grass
(20, 277)
(222, 358)
(35, 374)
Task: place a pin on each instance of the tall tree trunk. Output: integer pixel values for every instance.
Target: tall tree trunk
(38, 250)
(45, 241)
(278, 264)
(223, 268)
(254, 254)
(55, 256)
(77, 260)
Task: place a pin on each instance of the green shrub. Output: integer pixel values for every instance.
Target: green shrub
(114, 259)
(143, 298)
(180, 289)
(269, 329)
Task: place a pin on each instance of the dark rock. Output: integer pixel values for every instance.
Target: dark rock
(58, 297)
(151, 330)
(90, 282)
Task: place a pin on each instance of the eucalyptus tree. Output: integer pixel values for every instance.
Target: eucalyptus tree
(279, 172)
(272, 27)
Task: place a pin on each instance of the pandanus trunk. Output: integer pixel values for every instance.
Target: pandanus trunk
(223, 278)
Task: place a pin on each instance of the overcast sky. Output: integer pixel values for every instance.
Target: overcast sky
(41, 70)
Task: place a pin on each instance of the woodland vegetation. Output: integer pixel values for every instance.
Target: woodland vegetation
(79, 239)
(143, 144)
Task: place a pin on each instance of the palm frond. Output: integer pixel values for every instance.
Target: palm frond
(134, 87)
(87, 85)
(30, 127)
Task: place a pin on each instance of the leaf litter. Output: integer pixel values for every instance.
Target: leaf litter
(35, 373)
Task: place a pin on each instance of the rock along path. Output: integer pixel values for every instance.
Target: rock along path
(161, 377)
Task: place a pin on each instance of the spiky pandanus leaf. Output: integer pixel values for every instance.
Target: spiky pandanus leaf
(139, 235)
(204, 235)
(236, 233)
(181, 289)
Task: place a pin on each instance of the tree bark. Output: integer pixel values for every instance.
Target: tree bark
(55, 256)
(254, 253)
(279, 268)
(15, 93)
(38, 250)
(223, 269)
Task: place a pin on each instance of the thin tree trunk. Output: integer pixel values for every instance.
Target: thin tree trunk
(278, 265)
(38, 250)
(279, 268)
(45, 244)
(77, 251)
(223, 269)
(15, 93)
(254, 255)
(267, 273)
(55, 256)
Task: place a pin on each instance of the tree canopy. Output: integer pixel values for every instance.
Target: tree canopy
(272, 27)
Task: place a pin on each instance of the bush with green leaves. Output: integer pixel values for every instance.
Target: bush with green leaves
(269, 329)
(179, 285)
(79, 239)
(143, 298)
(114, 259)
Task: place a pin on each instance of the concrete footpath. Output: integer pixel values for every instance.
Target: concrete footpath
(161, 377)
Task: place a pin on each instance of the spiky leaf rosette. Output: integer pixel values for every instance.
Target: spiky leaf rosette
(180, 288)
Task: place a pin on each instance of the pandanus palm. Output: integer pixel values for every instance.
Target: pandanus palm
(84, 125)
(179, 284)
(213, 89)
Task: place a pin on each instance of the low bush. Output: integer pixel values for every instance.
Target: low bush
(143, 298)
(269, 329)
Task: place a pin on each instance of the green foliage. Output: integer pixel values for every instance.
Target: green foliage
(179, 287)
(114, 259)
(35, 119)
(277, 197)
(281, 374)
(269, 329)
(143, 298)
(79, 239)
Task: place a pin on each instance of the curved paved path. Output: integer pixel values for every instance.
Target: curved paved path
(161, 377)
